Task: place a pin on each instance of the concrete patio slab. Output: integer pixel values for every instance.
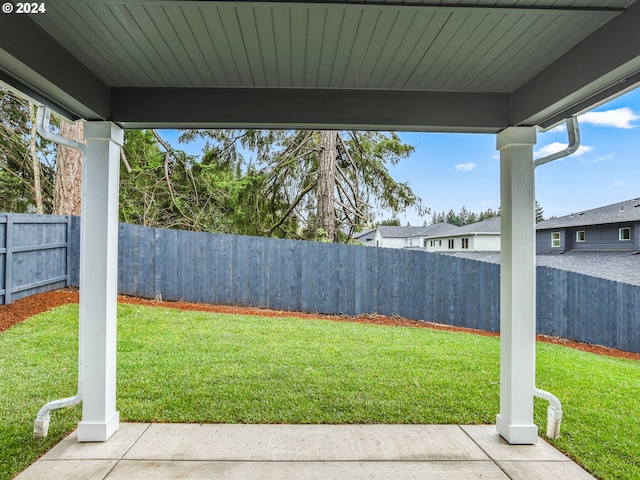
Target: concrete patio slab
(231, 452)
(117, 446)
(498, 449)
(68, 470)
(306, 443)
(544, 471)
(150, 470)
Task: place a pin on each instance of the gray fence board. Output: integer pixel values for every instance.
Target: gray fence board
(33, 255)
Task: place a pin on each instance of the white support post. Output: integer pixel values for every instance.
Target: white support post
(517, 285)
(99, 280)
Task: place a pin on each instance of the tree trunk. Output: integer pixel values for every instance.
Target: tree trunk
(68, 188)
(35, 162)
(325, 219)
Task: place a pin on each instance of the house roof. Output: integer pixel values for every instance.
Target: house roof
(435, 229)
(397, 232)
(490, 226)
(619, 212)
(408, 231)
(365, 235)
(429, 65)
(621, 267)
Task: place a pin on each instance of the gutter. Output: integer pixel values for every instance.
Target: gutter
(41, 424)
(554, 410)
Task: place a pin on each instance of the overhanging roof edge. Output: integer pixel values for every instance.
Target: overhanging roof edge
(40, 67)
(600, 67)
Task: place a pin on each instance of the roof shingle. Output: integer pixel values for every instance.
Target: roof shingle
(627, 211)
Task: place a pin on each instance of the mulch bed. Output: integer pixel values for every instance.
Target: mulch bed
(24, 308)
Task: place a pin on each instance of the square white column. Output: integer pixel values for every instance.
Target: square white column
(99, 280)
(517, 285)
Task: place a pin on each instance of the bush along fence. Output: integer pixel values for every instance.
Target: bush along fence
(346, 279)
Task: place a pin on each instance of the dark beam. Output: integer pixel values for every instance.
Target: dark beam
(35, 63)
(601, 65)
(309, 108)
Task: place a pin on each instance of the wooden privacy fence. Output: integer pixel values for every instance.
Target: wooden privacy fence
(34, 254)
(335, 279)
(43, 254)
(306, 276)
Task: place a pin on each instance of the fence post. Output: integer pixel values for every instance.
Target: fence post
(8, 260)
(157, 280)
(67, 283)
(3, 251)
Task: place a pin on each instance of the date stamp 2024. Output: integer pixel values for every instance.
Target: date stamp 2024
(29, 8)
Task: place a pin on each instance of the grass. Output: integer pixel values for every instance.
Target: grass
(201, 367)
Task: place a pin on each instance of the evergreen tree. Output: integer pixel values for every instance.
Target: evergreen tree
(463, 217)
(328, 180)
(539, 213)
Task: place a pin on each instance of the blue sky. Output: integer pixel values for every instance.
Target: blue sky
(449, 171)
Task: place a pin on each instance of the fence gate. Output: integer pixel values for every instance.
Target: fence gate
(34, 256)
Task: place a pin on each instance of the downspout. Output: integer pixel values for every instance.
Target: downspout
(41, 424)
(554, 410)
(573, 131)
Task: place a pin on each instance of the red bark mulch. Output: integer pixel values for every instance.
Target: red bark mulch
(29, 306)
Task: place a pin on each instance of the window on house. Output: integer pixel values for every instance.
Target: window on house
(580, 236)
(451, 243)
(555, 239)
(424, 243)
(624, 233)
(465, 243)
(439, 243)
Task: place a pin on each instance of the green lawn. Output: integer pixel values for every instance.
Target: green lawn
(201, 367)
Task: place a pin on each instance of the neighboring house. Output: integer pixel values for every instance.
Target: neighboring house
(365, 237)
(421, 237)
(480, 236)
(439, 237)
(406, 237)
(614, 227)
(394, 237)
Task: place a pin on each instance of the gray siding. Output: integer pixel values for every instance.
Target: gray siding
(597, 238)
(603, 237)
(543, 240)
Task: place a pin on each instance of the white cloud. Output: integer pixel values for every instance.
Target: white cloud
(604, 158)
(560, 128)
(465, 167)
(554, 147)
(617, 183)
(618, 118)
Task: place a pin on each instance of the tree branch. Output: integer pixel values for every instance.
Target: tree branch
(292, 206)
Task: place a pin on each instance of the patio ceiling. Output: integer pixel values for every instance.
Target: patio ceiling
(470, 66)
